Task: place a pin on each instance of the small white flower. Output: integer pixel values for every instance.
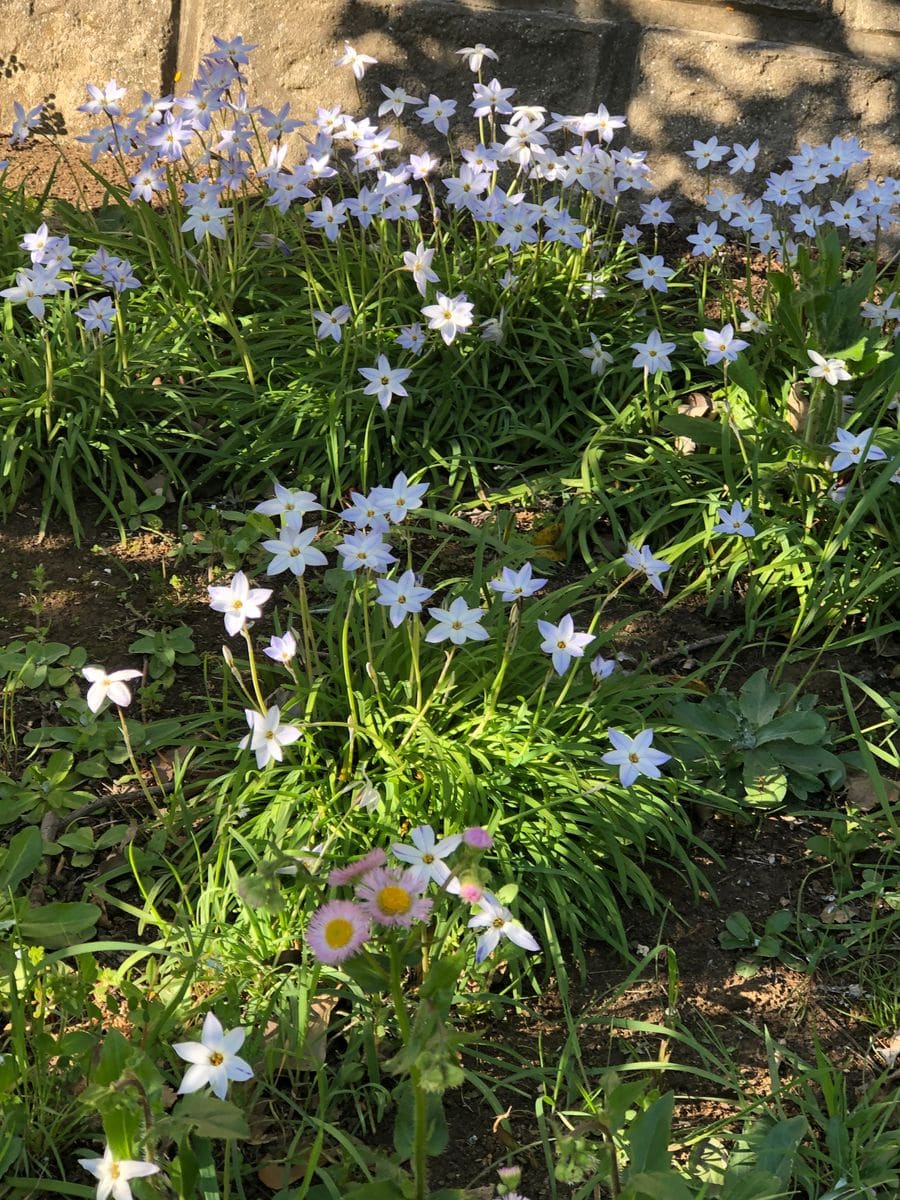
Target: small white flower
(752, 323)
(457, 622)
(290, 504)
(600, 358)
(384, 382)
(108, 685)
(602, 668)
(239, 602)
(400, 498)
(214, 1059)
(425, 857)
(516, 585)
(401, 596)
(634, 756)
(721, 345)
(475, 56)
(358, 63)
(498, 922)
(449, 315)
(852, 448)
(267, 735)
(643, 560)
(562, 642)
(735, 521)
(113, 1174)
(292, 551)
(832, 370)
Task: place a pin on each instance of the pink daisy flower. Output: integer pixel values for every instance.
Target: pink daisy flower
(337, 930)
(341, 875)
(394, 897)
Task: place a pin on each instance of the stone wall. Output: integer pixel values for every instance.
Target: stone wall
(780, 70)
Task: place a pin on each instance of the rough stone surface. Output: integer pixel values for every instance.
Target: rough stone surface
(49, 49)
(780, 70)
(686, 88)
(298, 43)
(881, 16)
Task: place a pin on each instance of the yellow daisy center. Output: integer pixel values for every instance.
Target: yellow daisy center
(394, 900)
(338, 933)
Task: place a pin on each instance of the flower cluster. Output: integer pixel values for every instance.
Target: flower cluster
(394, 897)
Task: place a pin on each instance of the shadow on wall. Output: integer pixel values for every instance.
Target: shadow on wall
(673, 85)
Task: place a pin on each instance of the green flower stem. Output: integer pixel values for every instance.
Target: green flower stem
(310, 655)
(48, 383)
(254, 675)
(370, 651)
(512, 635)
(420, 1100)
(352, 714)
(142, 783)
(435, 692)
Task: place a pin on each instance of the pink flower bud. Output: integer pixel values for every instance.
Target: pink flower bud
(478, 838)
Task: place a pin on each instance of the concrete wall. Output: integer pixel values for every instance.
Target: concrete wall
(780, 70)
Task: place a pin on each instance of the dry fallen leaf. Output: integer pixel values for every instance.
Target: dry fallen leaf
(797, 409)
(891, 1052)
(862, 795)
(279, 1175)
(696, 405)
(835, 914)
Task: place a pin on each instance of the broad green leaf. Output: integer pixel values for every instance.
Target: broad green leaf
(656, 1185)
(808, 728)
(437, 1134)
(649, 1136)
(22, 856)
(211, 1117)
(59, 924)
(758, 700)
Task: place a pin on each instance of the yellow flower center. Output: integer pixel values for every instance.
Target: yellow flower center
(394, 900)
(338, 933)
(216, 1059)
(498, 922)
(634, 758)
(428, 858)
(114, 1170)
(561, 645)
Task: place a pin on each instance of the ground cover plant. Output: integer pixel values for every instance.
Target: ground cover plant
(429, 430)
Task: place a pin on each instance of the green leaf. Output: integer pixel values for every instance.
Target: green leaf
(779, 1148)
(22, 856)
(377, 1190)
(59, 924)
(656, 1185)
(758, 700)
(211, 1117)
(113, 1058)
(437, 1134)
(649, 1136)
(758, 1185)
(808, 728)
